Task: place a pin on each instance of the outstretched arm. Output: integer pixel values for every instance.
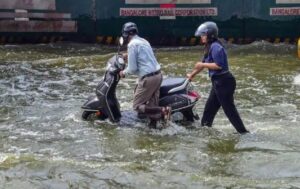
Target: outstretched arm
(200, 66)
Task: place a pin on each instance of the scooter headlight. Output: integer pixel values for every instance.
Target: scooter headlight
(120, 63)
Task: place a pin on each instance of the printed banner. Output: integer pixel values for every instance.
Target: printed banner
(211, 11)
(168, 1)
(287, 1)
(285, 11)
(28, 4)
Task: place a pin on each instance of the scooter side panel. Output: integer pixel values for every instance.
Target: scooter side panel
(176, 102)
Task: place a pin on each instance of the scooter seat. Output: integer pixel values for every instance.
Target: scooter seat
(170, 83)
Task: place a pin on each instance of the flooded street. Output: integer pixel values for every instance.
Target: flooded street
(45, 144)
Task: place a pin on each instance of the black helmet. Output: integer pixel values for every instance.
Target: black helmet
(129, 28)
(208, 28)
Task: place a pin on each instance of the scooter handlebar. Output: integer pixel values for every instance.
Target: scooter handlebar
(181, 87)
(116, 64)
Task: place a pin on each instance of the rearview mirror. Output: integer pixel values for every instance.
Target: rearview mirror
(121, 41)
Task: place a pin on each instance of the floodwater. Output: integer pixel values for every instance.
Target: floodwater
(45, 144)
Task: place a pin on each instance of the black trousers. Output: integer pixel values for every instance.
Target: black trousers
(221, 94)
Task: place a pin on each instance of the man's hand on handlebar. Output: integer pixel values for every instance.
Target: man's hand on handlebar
(125, 56)
(121, 74)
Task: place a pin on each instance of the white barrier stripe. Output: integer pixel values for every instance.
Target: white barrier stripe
(35, 15)
(37, 26)
(31, 5)
(287, 1)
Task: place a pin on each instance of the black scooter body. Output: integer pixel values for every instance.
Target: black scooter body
(105, 103)
(174, 92)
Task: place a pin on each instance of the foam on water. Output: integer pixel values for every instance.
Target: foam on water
(297, 80)
(72, 117)
(170, 129)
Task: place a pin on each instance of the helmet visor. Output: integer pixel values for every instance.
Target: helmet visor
(201, 30)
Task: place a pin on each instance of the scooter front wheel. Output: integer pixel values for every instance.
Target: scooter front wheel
(89, 115)
(86, 114)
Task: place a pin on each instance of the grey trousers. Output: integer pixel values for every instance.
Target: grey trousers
(146, 97)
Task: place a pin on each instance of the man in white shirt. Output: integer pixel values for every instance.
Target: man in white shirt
(142, 62)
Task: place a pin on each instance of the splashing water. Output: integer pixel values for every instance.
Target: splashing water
(45, 144)
(297, 80)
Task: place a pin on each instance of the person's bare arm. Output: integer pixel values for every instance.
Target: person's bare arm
(200, 66)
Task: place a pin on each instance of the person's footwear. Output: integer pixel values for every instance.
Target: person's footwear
(167, 113)
(152, 124)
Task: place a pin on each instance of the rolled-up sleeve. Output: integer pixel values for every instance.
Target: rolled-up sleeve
(132, 61)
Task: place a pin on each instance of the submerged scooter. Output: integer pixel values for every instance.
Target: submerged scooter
(176, 92)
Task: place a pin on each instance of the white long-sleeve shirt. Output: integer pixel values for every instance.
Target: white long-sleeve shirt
(141, 59)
